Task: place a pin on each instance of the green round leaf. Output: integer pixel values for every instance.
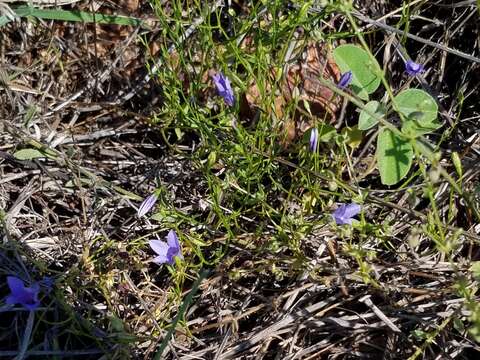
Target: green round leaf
(352, 136)
(28, 154)
(394, 157)
(420, 111)
(366, 121)
(326, 132)
(364, 70)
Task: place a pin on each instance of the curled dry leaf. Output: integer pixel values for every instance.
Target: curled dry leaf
(129, 6)
(301, 85)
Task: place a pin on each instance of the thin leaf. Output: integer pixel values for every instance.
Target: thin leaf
(76, 16)
(181, 312)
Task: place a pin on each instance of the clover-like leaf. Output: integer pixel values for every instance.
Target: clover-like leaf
(394, 156)
(420, 111)
(326, 132)
(365, 70)
(366, 121)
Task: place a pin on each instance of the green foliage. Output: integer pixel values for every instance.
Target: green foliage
(475, 269)
(420, 112)
(394, 156)
(352, 136)
(365, 70)
(366, 120)
(71, 15)
(28, 154)
(417, 109)
(326, 132)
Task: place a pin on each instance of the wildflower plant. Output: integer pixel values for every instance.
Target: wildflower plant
(22, 295)
(413, 69)
(345, 213)
(167, 251)
(417, 110)
(224, 88)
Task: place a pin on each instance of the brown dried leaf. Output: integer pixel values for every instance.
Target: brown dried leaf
(301, 84)
(129, 5)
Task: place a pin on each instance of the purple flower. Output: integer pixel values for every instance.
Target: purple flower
(313, 139)
(344, 214)
(224, 88)
(166, 251)
(147, 205)
(412, 68)
(345, 80)
(25, 296)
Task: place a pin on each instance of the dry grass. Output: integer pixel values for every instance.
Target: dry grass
(282, 281)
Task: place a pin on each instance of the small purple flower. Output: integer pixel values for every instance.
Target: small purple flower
(25, 296)
(313, 139)
(345, 80)
(224, 88)
(344, 214)
(166, 251)
(147, 205)
(412, 68)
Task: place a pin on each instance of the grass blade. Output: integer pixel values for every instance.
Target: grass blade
(73, 16)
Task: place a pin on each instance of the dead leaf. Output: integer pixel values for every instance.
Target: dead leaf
(301, 85)
(129, 5)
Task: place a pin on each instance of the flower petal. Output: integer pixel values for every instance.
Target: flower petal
(25, 296)
(172, 240)
(160, 259)
(147, 205)
(224, 88)
(352, 209)
(313, 139)
(160, 247)
(344, 214)
(413, 68)
(340, 212)
(16, 285)
(219, 84)
(11, 299)
(344, 221)
(345, 80)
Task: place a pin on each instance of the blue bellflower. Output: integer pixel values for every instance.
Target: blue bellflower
(167, 251)
(313, 139)
(345, 213)
(345, 80)
(25, 296)
(147, 205)
(412, 68)
(222, 83)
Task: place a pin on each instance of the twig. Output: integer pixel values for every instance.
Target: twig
(366, 300)
(415, 37)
